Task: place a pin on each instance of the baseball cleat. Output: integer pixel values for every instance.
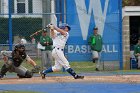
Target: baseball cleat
(42, 75)
(1, 76)
(97, 69)
(78, 77)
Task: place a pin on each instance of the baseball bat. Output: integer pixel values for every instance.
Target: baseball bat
(36, 33)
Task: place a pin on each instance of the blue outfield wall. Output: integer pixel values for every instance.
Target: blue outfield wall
(82, 16)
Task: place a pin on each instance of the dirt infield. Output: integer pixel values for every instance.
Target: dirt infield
(133, 79)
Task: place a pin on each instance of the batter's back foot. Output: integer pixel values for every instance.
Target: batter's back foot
(1, 76)
(42, 75)
(78, 77)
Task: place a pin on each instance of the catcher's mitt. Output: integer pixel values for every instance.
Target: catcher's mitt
(36, 69)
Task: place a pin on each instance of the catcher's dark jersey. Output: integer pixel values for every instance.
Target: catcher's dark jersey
(16, 59)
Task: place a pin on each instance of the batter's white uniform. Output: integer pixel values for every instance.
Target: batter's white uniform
(59, 42)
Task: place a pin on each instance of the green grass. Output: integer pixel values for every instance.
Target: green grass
(79, 67)
(83, 66)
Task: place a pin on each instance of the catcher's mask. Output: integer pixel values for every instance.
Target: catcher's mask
(20, 48)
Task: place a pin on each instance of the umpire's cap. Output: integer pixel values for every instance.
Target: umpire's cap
(44, 30)
(95, 28)
(62, 26)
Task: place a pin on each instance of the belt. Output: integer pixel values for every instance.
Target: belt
(59, 48)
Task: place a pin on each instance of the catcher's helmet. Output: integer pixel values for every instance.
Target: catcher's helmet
(62, 26)
(20, 47)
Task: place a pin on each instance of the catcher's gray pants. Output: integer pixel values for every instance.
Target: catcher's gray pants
(19, 70)
(46, 58)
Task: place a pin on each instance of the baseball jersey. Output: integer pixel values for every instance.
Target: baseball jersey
(43, 40)
(95, 42)
(60, 40)
(137, 49)
(8, 54)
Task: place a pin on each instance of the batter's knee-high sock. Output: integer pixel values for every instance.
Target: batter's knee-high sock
(71, 71)
(49, 70)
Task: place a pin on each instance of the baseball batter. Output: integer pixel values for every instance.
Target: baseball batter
(13, 60)
(59, 37)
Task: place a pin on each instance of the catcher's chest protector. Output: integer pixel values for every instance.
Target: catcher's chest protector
(18, 58)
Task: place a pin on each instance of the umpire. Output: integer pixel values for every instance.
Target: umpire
(14, 59)
(46, 54)
(95, 42)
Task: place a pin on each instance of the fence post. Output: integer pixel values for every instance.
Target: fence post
(10, 24)
(120, 22)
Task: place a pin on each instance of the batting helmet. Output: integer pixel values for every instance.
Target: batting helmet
(62, 26)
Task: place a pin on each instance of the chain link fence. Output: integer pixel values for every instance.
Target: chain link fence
(28, 16)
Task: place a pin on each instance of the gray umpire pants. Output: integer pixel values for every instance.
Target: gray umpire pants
(46, 59)
(97, 55)
(138, 61)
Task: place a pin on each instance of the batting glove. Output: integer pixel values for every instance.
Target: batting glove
(51, 26)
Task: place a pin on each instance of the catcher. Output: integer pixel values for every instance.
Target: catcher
(13, 60)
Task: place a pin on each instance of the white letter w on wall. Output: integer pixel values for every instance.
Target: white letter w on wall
(84, 15)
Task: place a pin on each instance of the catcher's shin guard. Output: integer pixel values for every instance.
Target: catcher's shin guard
(21, 76)
(3, 71)
(27, 75)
